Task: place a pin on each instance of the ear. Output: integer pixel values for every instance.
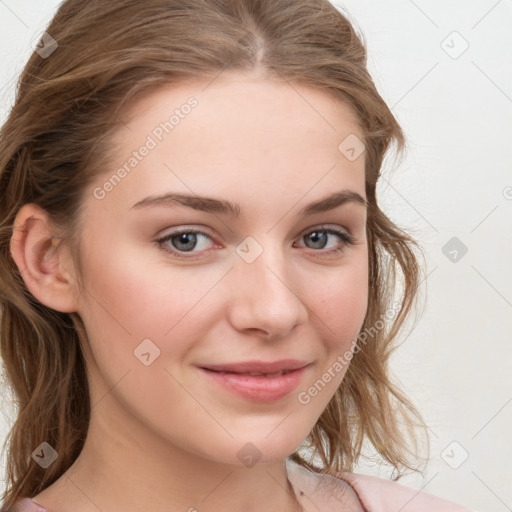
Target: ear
(44, 262)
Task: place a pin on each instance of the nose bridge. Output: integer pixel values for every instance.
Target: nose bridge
(266, 298)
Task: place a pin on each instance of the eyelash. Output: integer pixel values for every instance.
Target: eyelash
(345, 237)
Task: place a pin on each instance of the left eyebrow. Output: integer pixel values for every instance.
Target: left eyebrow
(333, 201)
(221, 206)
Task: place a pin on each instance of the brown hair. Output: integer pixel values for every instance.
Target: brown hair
(56, 140)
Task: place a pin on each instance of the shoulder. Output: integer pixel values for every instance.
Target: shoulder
(363, 492)
(381, 495)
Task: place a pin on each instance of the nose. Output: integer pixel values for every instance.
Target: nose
(267, 298)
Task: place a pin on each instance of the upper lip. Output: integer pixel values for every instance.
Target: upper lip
(258, 366)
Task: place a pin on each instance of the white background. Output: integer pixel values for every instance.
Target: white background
(456, 181)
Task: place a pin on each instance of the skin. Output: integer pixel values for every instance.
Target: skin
(165, 434)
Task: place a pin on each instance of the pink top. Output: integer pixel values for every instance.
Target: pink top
(375, 494)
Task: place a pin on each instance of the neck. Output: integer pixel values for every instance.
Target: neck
(140, 473)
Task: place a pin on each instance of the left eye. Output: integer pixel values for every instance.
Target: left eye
(186, 241)
(320, 236)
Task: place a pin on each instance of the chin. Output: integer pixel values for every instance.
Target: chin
(272, 446)
(247, 451)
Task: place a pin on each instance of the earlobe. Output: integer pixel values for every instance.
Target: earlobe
(42, 260)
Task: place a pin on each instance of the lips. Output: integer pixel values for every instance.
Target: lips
(258, 368)
(256, 374)
(256, 380)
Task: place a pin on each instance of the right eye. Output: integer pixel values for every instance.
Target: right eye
(183, 241)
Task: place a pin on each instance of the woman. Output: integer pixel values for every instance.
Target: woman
(197, 280)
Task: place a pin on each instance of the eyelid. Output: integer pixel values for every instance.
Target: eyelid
(162, 239)
(345, 236)
(207, 231)
(183, 228)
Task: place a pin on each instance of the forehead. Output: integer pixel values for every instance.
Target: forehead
(235, 97)
(237, 133)
(225, 102)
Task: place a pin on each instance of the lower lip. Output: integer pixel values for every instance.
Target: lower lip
(258, 388)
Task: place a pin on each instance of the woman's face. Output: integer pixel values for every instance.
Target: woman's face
(265, 279)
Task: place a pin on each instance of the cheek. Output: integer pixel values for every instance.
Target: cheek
(131, 297)
(340, 307)
(127, 303)
(340, 304)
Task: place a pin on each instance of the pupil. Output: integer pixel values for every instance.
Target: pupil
(322, 237)
(186, 239)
